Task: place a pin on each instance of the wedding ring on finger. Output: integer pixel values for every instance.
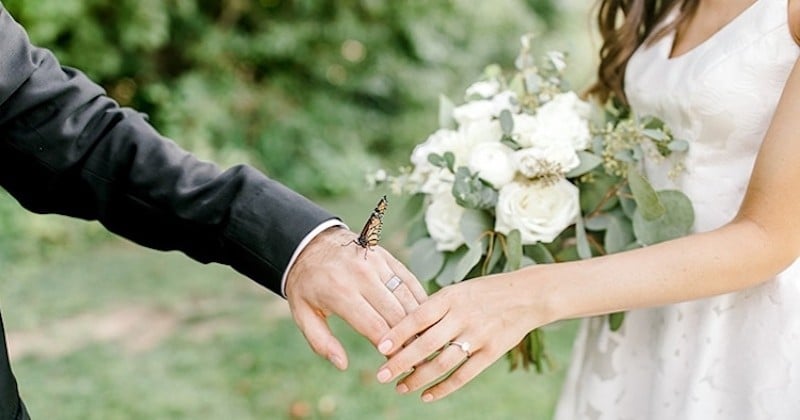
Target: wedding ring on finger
(464, 346)
(393, 283)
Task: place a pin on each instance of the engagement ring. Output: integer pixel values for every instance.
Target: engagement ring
(463, 345)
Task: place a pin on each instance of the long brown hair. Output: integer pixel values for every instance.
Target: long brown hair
(625, 25)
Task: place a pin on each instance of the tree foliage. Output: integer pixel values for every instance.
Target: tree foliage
(312, 91)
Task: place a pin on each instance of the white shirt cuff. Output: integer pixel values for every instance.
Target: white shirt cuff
(311, 235)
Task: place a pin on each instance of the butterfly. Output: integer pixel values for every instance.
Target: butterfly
(371, 232)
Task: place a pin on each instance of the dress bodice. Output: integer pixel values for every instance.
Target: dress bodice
(719, 96)
(732, 356)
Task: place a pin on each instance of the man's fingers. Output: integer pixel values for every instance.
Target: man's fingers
(319, 336)
(362, 317)
(409, 281)
(381, 294)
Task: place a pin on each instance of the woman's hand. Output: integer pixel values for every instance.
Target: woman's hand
(459, 331)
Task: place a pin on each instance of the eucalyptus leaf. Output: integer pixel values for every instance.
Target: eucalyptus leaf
(510, 142)
(584, 250)
(627, 203)
(569, 253)
(513, 250)
(446, 107)
(678, 145)
(618, 235)
(447, 275)
(636, 152)
(466, 263)
(593, 193)
(506, 122)
(588, 160)
(425, 261)
(437, 160)
(624, 156)
(539, 253)
(526, 261)
(449, 160)
(471, 192)
(474, 224)
(647, 201)
(655, 134)
(676, 221)
(416, 231)
(598, 222)
(497, 254)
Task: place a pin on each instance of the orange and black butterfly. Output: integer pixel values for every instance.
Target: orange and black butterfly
(371, 232)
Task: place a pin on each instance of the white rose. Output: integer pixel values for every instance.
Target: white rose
(524, 129)
(563, 119)
(443, 220)
(539, 161)
(493, 163)
(540, 212)
(432, 179)
(484, 89)
(484, 109)
(488, 130)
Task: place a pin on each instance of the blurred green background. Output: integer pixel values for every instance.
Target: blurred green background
(315, 93)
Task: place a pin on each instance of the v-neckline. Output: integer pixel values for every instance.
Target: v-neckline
(673, 35)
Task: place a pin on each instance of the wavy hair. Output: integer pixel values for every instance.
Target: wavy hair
(625, 25)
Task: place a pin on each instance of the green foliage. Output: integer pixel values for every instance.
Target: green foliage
(313, 92)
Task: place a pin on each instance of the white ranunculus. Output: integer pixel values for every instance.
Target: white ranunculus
(539, 211)
(443, 220)
(565, 118)
(534, 162)
(492, 162)
(484, 89)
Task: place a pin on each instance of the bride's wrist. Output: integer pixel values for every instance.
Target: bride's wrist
(535, 291)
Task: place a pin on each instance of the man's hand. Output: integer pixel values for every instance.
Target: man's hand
(332, 276)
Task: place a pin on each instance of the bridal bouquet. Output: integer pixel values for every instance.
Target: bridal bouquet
(526, 172)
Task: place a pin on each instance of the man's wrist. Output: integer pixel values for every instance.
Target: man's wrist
(322, 227)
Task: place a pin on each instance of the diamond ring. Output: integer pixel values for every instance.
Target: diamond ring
(463, 346)
(393, 283)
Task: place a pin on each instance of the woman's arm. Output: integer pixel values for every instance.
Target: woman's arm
(494, 313)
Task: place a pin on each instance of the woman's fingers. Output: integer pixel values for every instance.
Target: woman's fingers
(412, 325)
(417, 351)
(463, 374)
(449, 359)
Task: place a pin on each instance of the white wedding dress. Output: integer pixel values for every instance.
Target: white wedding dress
(735, 356)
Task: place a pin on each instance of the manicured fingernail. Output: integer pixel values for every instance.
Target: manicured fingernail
(402, 388)
(385, 346)
(336, 361)
(427, 397)
(384, 375)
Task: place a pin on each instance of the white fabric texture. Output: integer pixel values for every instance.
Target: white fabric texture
(734, 356)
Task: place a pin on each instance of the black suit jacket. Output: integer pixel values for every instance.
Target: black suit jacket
(67, 148)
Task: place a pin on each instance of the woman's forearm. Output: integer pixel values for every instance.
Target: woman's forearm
(731, 258)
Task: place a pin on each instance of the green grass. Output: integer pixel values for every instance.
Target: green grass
(231, 350)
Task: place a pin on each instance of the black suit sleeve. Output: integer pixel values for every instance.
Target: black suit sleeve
(67, 148)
